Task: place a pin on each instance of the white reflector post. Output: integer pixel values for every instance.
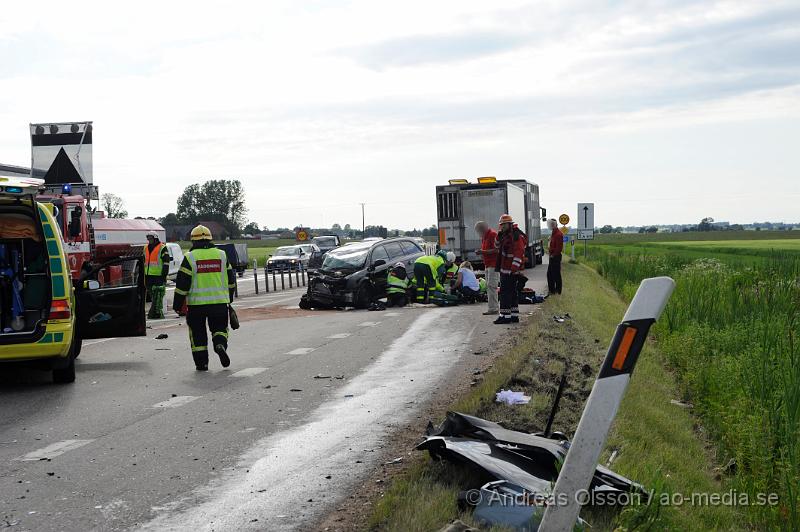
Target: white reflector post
(603, 403)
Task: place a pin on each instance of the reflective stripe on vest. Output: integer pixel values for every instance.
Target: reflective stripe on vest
(153, 264)
(395, 285)
(209, 277)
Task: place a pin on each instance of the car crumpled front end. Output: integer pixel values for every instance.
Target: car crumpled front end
(330, 289)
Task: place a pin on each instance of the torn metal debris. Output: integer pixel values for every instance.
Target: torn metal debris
(526, 460)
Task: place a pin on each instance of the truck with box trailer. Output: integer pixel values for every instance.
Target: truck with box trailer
(461, 204)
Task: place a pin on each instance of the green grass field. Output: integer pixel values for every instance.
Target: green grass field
(730, 335)
(781, 244)
(629, 238)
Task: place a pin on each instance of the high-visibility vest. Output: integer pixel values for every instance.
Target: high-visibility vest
(451, 272)
(482, 285)
(209, 277)
(434, 262)
(395, 285)
(153, 265)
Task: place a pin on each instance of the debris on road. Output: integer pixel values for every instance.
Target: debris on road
(680, 403)
(499, 505)
(526, 460)
(322, 376)
(562, 319)
(295, 390)
(512, 398)
(458, 526)
(162, 336)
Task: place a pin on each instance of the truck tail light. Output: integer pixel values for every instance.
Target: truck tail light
(59, 310)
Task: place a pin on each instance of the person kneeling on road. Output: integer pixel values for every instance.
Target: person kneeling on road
(467, 284)
(397, 286)
(429, 270)
(203, 291)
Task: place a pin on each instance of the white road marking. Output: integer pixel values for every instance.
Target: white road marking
(87, 343)
(338, 336)
(248, 372)
(391, 314)
(301, 351)
(368, 324)
(175, 402)
(53, 450)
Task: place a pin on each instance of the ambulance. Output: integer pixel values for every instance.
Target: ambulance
(44, 315)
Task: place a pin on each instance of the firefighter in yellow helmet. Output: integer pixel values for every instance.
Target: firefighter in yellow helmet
(203, 290)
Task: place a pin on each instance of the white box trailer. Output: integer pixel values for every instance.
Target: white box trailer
(460, 205)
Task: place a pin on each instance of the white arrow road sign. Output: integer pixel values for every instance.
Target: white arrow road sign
(585, 216)
(601, 407)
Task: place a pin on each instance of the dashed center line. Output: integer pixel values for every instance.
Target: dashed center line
(248, 372)
(368, 324)
(338, 336)
(53, 450)
(175, 402)
(301, 351)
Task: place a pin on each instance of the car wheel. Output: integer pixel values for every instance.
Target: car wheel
(65, 375)
(305, 304)
(363, 296)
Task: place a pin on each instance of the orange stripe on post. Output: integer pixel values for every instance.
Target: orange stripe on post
(624, 348)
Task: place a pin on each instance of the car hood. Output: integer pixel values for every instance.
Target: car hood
(284, 257)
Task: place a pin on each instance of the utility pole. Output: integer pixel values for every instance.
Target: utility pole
(363, 225)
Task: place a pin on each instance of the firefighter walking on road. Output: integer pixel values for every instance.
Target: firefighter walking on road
(203, 290)
(156, 268)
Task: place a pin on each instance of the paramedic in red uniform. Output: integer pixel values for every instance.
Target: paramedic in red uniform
(511, 247)
(554, 266)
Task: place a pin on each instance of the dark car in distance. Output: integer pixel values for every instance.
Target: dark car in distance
(325, 243)
(355, 274)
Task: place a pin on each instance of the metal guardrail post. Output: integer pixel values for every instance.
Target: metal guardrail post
(290, 277)
(255, 273)
(297, 275)
(283, 284)
(303, 274)
(266, 279)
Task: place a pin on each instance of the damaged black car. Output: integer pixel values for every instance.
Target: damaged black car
(355, 274)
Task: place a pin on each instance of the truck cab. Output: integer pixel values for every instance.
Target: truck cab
(44, 314)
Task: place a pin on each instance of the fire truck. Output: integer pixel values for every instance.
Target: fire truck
(61, 154)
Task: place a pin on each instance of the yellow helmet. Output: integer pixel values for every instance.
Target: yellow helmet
(201, 232)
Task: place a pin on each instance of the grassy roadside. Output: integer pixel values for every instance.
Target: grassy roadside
(656, 442)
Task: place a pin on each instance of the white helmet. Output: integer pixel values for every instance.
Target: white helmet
(451, 257)
(399, 265)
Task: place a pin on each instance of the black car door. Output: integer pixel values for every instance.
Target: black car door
(111, 299)
(379, 269)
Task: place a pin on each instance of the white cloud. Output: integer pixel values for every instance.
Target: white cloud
(319, 106)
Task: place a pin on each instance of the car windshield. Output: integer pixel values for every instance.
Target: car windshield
(325, 241)
(346, 258)
(287, 251)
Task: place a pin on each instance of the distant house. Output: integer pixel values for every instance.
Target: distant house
(179, 232)
(218, 231)
(176, 233)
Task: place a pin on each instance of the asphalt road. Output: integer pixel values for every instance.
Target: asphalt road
(143, 441)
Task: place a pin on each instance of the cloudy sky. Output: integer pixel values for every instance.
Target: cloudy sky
(657, 111)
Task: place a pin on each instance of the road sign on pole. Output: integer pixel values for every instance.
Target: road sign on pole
(601, 406)
(563, 219)
(586, 216)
